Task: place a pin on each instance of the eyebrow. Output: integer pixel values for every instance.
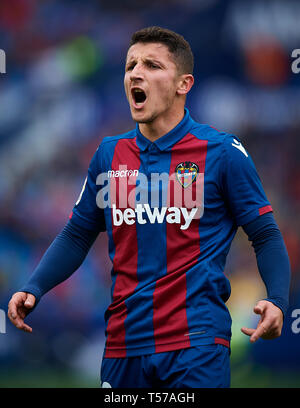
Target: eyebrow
(147, 59)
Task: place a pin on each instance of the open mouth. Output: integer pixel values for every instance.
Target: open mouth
(139, 97)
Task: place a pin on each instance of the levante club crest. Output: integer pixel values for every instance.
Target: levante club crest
(186, 173)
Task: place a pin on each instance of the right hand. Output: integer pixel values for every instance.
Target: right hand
(19, 306)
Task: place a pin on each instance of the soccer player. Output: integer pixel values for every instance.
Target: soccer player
(171, 195)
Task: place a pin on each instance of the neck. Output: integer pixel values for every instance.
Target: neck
(161, 125)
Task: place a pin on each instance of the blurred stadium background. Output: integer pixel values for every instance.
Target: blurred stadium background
(63, 92)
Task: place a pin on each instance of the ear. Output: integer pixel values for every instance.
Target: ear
(185, 83)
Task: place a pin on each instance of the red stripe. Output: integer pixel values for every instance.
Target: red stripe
(264, 210)
(219, 340)
(183, 250)
(125, 259)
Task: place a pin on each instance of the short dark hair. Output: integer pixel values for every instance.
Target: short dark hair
(176, 44)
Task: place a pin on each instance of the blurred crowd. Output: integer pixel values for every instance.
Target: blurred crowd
(63, 92)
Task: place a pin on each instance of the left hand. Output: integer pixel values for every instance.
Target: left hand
(270, 324)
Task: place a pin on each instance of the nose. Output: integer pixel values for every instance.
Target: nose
(137, 72)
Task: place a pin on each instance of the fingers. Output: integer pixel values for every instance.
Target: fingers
(265, 331)
(254, 334)
(30, 301)
(17, 318)
(15, 302)
(12, 311)
(18, 309)
(269, 325)
(19, 323)
(260, 307)
(259, 332)
(247, 331)
(264, 325)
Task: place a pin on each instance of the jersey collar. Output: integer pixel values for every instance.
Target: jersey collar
(170, 138)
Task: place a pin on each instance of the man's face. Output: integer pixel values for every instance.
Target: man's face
(151, 80)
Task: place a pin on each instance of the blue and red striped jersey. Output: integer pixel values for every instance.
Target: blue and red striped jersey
(171, 209)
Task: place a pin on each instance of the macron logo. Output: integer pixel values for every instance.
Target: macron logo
(122, 173)
(172, 215)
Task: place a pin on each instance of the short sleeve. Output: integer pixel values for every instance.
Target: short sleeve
(240, 183)
(86, 213)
